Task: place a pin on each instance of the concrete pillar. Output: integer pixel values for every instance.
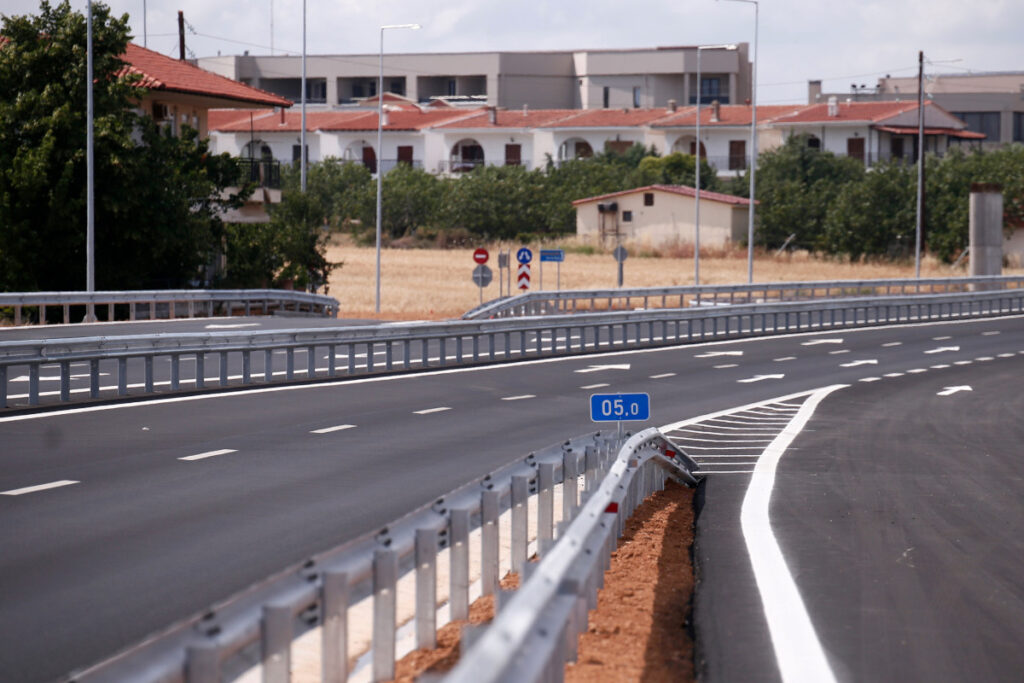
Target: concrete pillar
(986, 229)
(332, 90)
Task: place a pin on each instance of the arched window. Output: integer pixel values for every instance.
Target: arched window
(466, 155)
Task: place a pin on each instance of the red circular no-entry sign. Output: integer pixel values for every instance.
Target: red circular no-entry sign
(481, 255)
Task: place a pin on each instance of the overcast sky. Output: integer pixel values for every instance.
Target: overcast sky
(838, 41)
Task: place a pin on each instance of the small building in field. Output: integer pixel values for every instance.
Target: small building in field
(661, 215)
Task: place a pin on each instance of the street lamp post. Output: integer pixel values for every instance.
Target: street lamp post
(302, 133)
(753, 147)
(380, 139)
(90, 205)
(696, 199)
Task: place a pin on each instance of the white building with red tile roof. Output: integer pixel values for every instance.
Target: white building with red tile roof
(661, 215)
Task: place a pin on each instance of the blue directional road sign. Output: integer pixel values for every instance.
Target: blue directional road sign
(524, 255)
(620, 407)
(553, 255)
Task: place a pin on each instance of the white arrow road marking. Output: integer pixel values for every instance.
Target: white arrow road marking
(209, 454)
(855, 363)
(230, 326)
(815, 342)
(943, 348)
(949, 391)
(38, 487)
(599, 368)
(713, 354)
(758, 378)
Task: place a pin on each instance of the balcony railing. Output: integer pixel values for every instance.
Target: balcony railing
(263, 172)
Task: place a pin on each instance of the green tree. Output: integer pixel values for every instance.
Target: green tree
(874, 216)
(412, 198)
(796, 184)
(675, 169)
(498, 202)
(157, 198)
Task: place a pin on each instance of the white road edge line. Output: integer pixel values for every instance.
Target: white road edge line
(39, 487)
(798, 651)
(209, 454)
(328, 430)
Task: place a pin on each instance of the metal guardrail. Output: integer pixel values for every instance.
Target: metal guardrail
(473, 342)
(591, 300)
(535, 633)
(168, 303)
(259, 624)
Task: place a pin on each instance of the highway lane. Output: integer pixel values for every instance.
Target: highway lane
(145, 537)
(898, 511)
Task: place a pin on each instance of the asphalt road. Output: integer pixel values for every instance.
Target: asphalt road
(899, 513)
(149, 533)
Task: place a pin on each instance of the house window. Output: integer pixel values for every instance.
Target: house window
(710, 90)
(986, 122)
(451, 87)
(737, 155)
(648, 199)
(297, 153)
(1018, 127)
(627, 216)
(357, 90)
(813, 142)
(897, 148)
(513, 155)
(316, 91)
(605, 96)
(636, 97)
(405, 154)
(397, 86)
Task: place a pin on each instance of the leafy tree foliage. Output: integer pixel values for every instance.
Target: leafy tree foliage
(676, 169)
(874, 216)
(157, 197)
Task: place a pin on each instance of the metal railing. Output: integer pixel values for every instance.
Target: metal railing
(165, 304)
(422, 346)
(263, 172)
(592, 300)
(535, 633)
(259, 624)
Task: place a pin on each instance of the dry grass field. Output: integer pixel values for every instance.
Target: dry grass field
(435, 284)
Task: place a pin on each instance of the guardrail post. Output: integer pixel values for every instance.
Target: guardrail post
(122, 378)
(33, 384)
(350, 352)
(476, 347)
(202, 663)
(489, 548)
(458, 593)
(175, 371)
(290, 363)
(223, 368)
(246, 367)
(508, 345)
(200, 370)
(276, 643)
(592, 465)
(458, 349)
(388, 355)
(334, 634)
(67, 313)
(424, 353)
(385, 579)
(426, 588)
(268, 365)
(545, 506)
(332, 351)
(406, 362)
(520, 521)
(569, 482)
(444, 355)
(3, 386)
(310, 362)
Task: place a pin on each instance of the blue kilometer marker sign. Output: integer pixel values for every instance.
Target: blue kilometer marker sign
(620, 407)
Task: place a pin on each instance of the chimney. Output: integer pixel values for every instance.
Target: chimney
(181, 35)
(282, 116)
(813, 92)
(716, 111)
(672, 105)
(526, 108)
(833, 106)
(492, 115)
(384, 118)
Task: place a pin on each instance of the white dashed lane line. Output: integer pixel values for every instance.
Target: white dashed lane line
(428, 411)
(209, 454)
(523, 397)
(870, 379)
(941, 338)
(963, 362)
(942, 349)
(328, 430)
(38, 487)
(783, 359)
(940, 366)
(892, 344)
(840, 351)
(594, 386)
(723, 366)
(663, 375)
(815, 342)
(989, 334)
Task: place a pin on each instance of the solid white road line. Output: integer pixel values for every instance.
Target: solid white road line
(519, 398)
(428, 411)
(230, 326)
(328, 430)
(38, 487)
(798, 651)
(209, 454)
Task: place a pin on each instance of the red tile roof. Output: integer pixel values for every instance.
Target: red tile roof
(673, 189)
(160, 72)
(729, 115)
(953, 132)
(356, 120)
(514, 118)
(848, 111)
(609, 118)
